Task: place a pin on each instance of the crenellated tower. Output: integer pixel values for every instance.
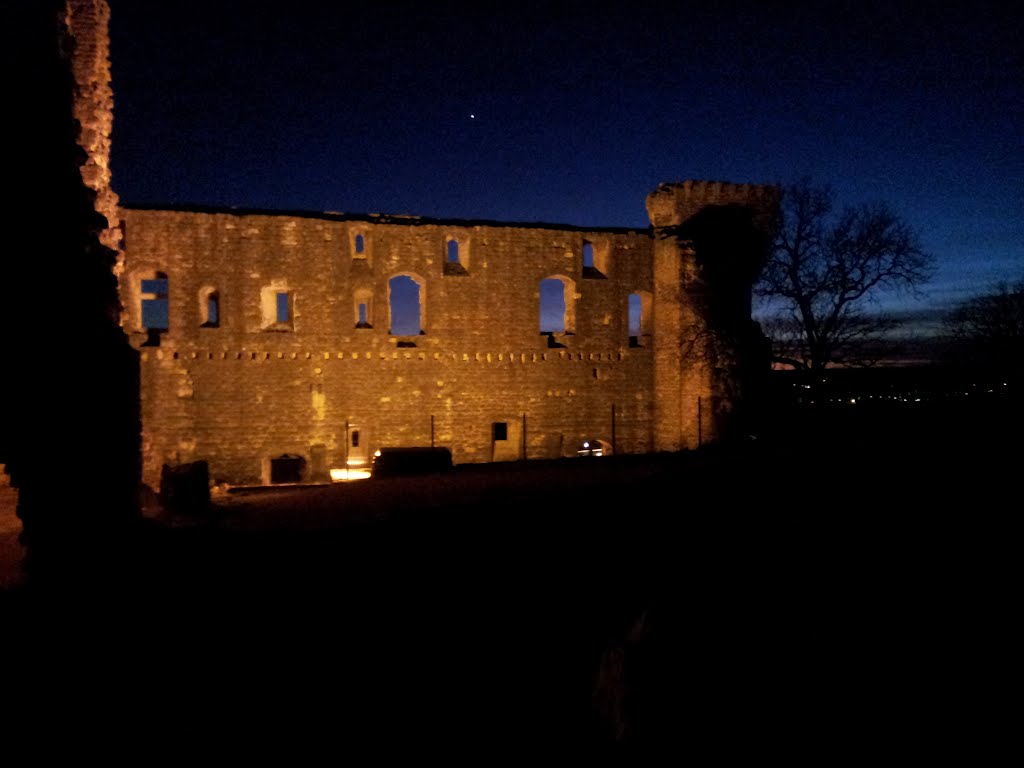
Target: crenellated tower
(710, 240)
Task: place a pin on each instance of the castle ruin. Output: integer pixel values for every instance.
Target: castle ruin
(266, 337)
(270, 336)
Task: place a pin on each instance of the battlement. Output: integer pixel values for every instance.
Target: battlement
(673, 203)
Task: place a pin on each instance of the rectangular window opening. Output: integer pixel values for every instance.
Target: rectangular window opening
(499, 430)
(284, 313)
(158, 287)
(212, 318)
(362, 320)
(155, 315)
(154, 305)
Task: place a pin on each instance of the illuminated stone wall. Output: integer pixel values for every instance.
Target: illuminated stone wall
(237, 394)
(248, 389)
(88, 22)
(709, 242)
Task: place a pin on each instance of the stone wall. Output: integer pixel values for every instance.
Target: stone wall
(710, 240)
(88, 23)
(244, 391)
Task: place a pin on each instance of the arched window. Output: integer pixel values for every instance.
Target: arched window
(455, 258)
(209, 308)
(277, 306)
(640, 304)
(405, 306)
(359, 246)
(595, 260)
(634, 314)
(557, 307)
(588, 255)
(552, 306)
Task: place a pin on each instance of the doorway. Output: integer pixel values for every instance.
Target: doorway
(356, 451)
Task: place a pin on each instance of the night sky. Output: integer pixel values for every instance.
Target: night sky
(573, 113)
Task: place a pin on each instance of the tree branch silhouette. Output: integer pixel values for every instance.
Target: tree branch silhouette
(987, 331)
(824, 271)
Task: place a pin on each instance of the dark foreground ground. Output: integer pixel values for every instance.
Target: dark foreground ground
(842, 588)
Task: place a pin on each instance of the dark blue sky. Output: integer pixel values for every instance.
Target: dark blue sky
(573, 113)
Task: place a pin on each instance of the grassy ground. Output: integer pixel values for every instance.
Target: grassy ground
(837, 588)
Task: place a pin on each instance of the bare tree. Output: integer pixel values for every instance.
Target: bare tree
(987, 331)
(825, 271)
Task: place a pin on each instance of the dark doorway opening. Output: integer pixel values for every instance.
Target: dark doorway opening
(287, 468)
